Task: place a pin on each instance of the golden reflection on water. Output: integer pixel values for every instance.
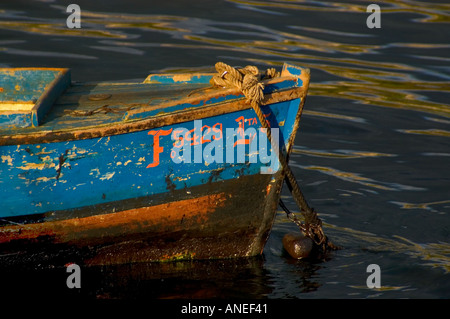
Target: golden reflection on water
(358, 178)
(359, 79)
(436, 255)
(425, 206)
(432, 132)
(334, 116)
(340, 154)
(58, 29)
(432, 12)
(376, 88)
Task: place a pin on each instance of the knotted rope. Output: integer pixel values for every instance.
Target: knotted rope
(248, 80)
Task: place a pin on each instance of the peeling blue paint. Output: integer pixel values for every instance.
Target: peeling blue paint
(59, 176)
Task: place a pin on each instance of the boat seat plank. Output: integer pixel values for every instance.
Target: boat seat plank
(28, 94)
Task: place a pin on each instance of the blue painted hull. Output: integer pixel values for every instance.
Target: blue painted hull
(132, 184)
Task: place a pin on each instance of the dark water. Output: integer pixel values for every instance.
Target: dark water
(372, 154)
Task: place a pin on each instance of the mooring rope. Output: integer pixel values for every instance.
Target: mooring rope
(248, 80)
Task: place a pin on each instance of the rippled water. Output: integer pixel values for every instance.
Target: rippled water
(372, 154)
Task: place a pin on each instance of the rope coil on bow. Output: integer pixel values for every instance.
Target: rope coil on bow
(248, 80)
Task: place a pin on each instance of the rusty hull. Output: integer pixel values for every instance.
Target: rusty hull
(233, 221)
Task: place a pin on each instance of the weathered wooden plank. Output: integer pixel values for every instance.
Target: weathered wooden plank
(45, 102)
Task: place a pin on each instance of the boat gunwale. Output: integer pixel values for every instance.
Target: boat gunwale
(180, 116)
